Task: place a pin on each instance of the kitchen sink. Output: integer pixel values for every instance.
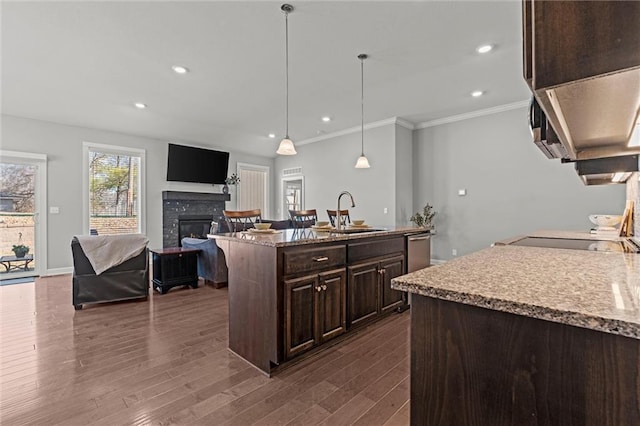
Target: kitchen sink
(356, 230)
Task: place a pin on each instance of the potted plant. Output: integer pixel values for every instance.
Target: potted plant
(424, 219)
(231, 180)
(20, 250)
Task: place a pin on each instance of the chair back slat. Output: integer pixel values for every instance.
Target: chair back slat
(344, 217)
(303, 218)
(241, 220)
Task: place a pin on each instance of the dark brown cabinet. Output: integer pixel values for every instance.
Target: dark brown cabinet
(315, 310)
(289, 300)
(364, 292)
(369, 288)
(391, 268)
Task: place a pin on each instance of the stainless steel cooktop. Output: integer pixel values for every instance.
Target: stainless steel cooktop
(625, 246)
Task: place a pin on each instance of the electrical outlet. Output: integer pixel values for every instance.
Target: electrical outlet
(385, 210)
(454, 252)
(54, 210)
(462, 192)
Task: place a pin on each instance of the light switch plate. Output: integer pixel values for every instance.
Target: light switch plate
(462, 192)
(54, 210)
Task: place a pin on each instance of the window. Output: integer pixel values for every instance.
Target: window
(253, 190)
(114, 194)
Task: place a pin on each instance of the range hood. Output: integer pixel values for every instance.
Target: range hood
(596, 117)
(602, 171)
(581, 60)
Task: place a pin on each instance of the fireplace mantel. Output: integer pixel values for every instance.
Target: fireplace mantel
(195, 196)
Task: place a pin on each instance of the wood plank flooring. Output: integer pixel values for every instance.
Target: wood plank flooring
(165, 361)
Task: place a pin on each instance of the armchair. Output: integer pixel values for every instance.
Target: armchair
(128, 280)
(212, 266)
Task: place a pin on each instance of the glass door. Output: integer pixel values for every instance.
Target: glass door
(292, 194)
(21, 198)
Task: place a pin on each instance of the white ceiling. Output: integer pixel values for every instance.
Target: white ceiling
(86, 63)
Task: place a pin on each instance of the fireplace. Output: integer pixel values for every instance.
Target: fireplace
(196, 209)
(193, 227)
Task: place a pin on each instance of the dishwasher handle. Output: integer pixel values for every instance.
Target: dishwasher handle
(419, 238)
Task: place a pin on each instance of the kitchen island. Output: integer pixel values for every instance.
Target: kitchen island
(293, 291)
(526, 335)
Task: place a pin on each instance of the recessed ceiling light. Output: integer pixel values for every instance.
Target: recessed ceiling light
(140, 105)
(477, 93)
(485, 48)
(326, 119)
(272, 135)
(179, 69)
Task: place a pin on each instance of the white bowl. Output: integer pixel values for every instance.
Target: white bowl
(358, 222)
(605, 219)
(262, 226)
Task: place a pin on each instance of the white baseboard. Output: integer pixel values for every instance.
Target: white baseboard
(58, 271)
(437, 261)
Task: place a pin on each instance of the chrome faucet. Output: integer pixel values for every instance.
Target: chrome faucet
(353, 204)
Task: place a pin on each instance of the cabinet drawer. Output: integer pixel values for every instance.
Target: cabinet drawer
(372, 249)
(314, 259)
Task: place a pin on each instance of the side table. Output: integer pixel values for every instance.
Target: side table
(173, 267)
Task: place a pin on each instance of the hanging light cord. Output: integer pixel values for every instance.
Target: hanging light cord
(286, 23)
(362, 99)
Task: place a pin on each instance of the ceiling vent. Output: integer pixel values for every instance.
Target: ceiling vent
(292, 171)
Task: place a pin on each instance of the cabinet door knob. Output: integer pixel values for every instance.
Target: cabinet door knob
(318, 289)
(324, 286)
(320, 258)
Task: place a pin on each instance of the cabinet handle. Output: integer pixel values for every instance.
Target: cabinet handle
(320, 258)
(419, 238)
(324, 286)
(380, 271)
(318, 289)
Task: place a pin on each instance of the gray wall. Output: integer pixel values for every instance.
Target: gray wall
(328, 169)
(63, 147)
(404, 175)
(512, 188)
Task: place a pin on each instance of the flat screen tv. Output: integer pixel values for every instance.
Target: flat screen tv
(191, 164)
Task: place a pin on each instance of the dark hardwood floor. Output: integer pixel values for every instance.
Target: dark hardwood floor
(165, 361)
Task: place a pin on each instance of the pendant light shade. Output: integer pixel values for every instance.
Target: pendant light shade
(362, 162)
(286, 145)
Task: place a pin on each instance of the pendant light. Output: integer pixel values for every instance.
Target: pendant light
(362, 162)
(286, 145)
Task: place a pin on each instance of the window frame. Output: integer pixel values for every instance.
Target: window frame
(267, 196)
(113, 149)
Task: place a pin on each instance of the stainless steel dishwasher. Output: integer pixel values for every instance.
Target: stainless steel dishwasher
(418, 251)
(418, 254)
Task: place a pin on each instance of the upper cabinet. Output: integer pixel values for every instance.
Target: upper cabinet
(582, 63)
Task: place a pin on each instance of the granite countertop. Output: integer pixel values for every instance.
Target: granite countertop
(305, 236)
(594, 290)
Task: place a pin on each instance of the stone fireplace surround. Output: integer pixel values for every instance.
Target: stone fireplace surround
(178, 204)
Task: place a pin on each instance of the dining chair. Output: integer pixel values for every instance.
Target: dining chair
(303, 218)
(344, 217)
(241, 220)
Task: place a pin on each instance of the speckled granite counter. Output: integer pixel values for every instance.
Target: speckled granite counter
(599, 291)
(296, 237)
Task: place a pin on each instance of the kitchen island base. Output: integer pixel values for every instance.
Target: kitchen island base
(294, 297)
(471, 366)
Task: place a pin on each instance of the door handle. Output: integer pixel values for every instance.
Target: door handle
(320, 258)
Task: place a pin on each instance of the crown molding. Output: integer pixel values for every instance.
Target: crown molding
(410, 126)
(368, 126)
(472, 114)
